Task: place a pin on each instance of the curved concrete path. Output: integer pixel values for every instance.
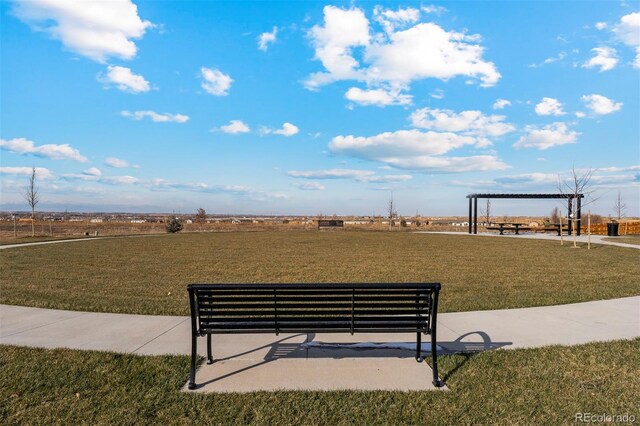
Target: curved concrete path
(73, 240)
(595, 239)
(322, 361)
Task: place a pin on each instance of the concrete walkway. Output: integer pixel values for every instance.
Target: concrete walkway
(73, 240)
(267, 362)
(595, 239)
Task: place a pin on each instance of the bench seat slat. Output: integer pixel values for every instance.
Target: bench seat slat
(311, 325)
(317, 298)
(203, 294)
(204, 313)
(290, 305)
(314, 286)
(282, 320)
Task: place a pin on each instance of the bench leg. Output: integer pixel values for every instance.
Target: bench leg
(194, 355)
(419, 347)
(434, 359)
(209, 356)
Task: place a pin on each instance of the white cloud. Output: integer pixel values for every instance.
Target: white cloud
(389, 178)
(604, 57)
(333, 174)
(119, 180)
(95, 29)
(549, 106)
(628, 31)
(92, 171)
(391, 19)
(215, 82)
(235, 126)
(333, 42)
(414, 149)
(55, 152)
(437, 94)
(287, 129)
(124, 80)
(601, 105)
(434, 9)
(118, 163)
(41, 172)
(546, 137)
(265, 39)
(467, 122)
(477, 163)
(400, 143)
(580, 114)
(357, 175)
(311, 186)
(550, 60)
(601, 25)
(378, 97)
(501, 103)
(428, 51)
(156, 117)
(393, 59)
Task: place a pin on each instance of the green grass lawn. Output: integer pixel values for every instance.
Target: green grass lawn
(148, 275)
(526, 386)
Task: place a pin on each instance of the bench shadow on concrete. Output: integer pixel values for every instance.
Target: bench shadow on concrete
(280, 349)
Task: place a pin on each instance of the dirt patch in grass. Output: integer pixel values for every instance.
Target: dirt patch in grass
(528, 386)
(148, 275)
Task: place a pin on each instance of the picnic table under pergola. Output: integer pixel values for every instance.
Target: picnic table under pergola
(473, 207)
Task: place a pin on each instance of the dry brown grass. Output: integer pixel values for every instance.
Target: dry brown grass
(148, 275)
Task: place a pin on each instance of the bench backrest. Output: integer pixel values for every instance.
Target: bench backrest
(300, 308)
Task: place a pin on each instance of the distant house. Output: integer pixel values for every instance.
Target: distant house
(97, 220)
(137, 221)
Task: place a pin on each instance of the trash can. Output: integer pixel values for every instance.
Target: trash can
(612, 229)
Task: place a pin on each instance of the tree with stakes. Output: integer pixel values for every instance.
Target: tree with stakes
(486, 213)
(391, 211)
(32, 197)
(620, 207)
(201, 217)
(576, 185)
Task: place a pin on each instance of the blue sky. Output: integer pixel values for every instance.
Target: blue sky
(312, 107)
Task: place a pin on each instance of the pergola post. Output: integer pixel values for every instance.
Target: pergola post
(469, 214)
(475, 215)
(579, 214)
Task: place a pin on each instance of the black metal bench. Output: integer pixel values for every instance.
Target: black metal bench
(313, 308)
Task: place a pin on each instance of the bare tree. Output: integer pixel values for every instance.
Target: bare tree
(391, 211)
(555, 215)
(32, 197)
(201, 217)
(486, 213)
(575, 186)
(620, 207)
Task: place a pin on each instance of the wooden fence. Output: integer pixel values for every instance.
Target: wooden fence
(628, 227)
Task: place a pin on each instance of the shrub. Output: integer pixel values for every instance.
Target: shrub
(174, 225)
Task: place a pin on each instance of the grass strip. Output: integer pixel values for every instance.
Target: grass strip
(525, 386)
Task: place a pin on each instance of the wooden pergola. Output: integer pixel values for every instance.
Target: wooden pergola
(473, 206)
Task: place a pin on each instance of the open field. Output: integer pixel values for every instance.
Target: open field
(527, 386)
(149, 275)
